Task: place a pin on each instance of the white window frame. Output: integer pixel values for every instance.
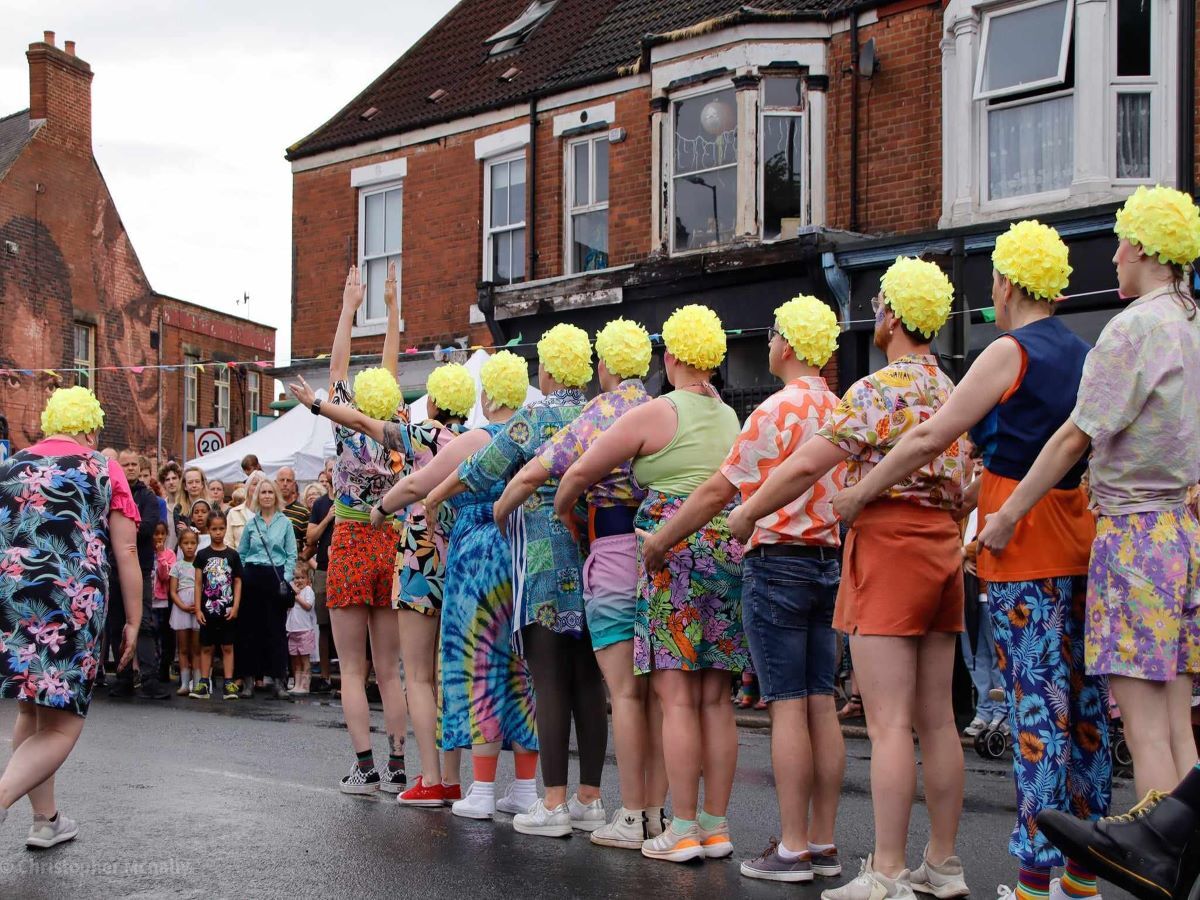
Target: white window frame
(488, 230)
(87, 362)
(999, 12)
(221, 395)
(570, 209)
(378, 324)
(1019, 200)
(253, 397)
(1136, 84)
(711, 87)
(191, 390)
(780, 112)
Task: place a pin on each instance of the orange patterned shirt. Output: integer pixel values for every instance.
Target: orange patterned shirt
(775, 430)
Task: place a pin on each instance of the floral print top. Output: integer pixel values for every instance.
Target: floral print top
(558, 454)
(365, 469)
(879, 409)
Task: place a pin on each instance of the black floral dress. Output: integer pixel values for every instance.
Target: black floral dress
(54, 571)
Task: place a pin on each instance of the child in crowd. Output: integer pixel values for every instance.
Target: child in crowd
(183, 611)
(164, 558)
(219, 589)
(302, 629)
(201, 511)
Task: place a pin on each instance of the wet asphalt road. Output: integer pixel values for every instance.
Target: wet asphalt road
(240, 800)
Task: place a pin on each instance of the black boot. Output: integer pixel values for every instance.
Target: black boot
(152, 689)
(1146, 851)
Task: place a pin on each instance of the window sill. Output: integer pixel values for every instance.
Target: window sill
(1079, 197)
(370, 329)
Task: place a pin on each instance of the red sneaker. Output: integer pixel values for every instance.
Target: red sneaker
(453, 792)
(422, 794)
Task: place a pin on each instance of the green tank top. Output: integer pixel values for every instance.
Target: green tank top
(706, 432)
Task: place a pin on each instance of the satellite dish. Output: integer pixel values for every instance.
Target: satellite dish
(868, 62)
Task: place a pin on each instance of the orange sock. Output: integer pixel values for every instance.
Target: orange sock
(526, 761)
(484, 767)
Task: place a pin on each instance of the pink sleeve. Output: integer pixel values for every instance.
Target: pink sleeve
(122, 497)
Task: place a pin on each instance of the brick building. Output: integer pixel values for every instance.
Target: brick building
(74, 297)
(532, 162)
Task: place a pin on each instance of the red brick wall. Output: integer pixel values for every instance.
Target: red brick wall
(60, 92)
(899, 121)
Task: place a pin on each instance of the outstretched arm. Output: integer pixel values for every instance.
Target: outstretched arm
(795, 476)
(983, 387)
(411, 488)
(348, 416)
(619, 444)
(520, 489)
(352, 298)
(697, 511)
(391, 337)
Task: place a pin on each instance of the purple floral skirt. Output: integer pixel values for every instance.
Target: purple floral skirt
(1143, 603)
(689, 615)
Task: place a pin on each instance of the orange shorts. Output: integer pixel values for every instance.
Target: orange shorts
(901, 572)
(362, 561)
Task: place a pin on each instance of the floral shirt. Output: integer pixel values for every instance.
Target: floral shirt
(547, 584)
(879, 409)
(561, 451)
(365, 469)
(1138, 402)
(775, 430)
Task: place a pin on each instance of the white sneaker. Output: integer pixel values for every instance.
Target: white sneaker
(627, 830)
(517, 799)
(544, 822)
(46, 833)
(977, 725)
(1057, 892)
(999, 721)
(677, 848)
(942, 881)
(478, 803)
(870, 885)
(656, 821)
(586, 816)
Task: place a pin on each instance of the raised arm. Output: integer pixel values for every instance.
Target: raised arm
(347, 416)
(352, 298)
(983, 387)
(795, 476)
(391, 337)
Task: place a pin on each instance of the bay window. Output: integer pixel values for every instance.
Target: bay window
(1134, 88)
(704, 170)
(782, 157)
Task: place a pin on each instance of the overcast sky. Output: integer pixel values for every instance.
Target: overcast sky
(193, 104)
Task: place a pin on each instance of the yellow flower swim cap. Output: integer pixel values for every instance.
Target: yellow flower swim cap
(1162, 221)
(73, 410)
(695, 336)
(919, 293)
(505, 379)
(810, 327)
(452, 388)
(1033, 257)
(377, 394)
(624, 348)
(566, 353)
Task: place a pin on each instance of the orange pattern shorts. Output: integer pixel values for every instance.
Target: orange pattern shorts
(362, 561)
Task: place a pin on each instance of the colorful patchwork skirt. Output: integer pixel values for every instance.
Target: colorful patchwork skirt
(689, 615)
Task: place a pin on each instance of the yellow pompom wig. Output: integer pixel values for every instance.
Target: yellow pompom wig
(624, 348)
(505, 379)
(566, 353)
(1162, 221)
(695, 336)
(452, 388)
(810, 327)
(919, 293)
(377, 394)
(1033, 257)
(73, 410)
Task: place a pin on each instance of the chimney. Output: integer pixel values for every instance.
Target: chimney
(60, 92)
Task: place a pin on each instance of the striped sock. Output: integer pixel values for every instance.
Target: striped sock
(1033, 884)
(1078, 881)
(366, 760)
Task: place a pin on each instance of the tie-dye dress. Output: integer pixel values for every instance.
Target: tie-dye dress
(485, 692)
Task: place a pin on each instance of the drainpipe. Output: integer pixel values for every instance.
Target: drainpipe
(959, 324)
(854, 121)
(530, 186)
(1186, 131)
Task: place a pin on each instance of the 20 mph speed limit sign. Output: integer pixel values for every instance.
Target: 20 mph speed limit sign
(209, 440)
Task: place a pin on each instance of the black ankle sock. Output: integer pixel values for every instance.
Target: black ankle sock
(1188, 791)
(396, 762)
(366, 760)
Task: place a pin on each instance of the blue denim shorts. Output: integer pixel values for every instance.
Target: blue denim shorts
(787, 611)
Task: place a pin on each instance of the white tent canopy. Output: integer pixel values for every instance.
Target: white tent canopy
(304, 441)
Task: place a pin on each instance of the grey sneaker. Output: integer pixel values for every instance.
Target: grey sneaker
(586, 816)
(870, 885)
(771, 867)
(943, 881)
(46, 833)
(825, 862)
